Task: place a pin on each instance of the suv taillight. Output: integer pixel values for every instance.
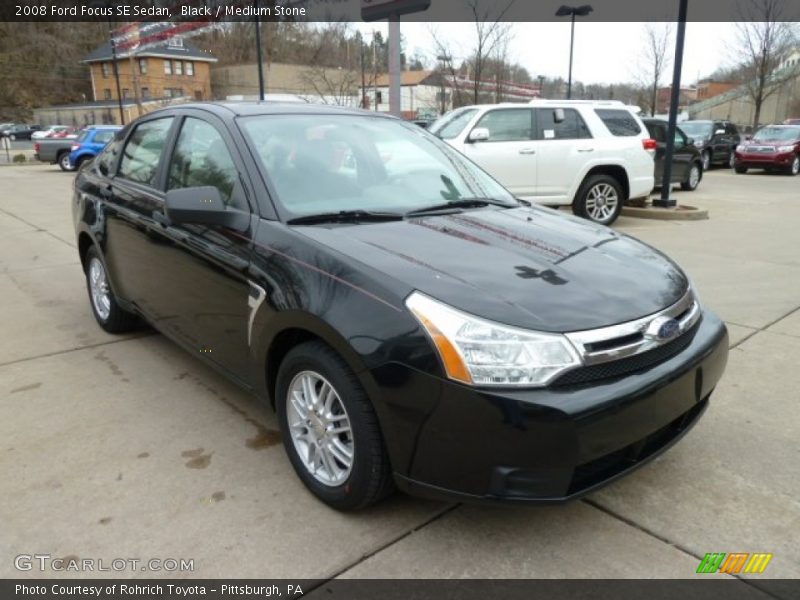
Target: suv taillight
(36, 147)
(649, 144)
(75, 147)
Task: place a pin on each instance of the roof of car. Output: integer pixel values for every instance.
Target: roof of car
(246, 109)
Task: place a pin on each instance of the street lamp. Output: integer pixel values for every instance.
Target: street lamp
(572, 11)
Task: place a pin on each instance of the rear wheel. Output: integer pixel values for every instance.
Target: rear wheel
(731, 160)
(330, 430)
(692, 178)
(599, 199)
(108, 313)
(63, 162)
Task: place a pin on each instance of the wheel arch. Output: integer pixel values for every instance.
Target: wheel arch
(616, 171)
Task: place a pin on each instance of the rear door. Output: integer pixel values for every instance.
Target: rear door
(563, 149)
(509, 155)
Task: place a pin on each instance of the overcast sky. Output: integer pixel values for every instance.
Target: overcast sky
(604, 52)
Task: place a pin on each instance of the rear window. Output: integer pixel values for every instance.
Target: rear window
(620, 122)
(452, 124)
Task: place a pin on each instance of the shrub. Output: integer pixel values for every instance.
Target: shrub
(19, 158)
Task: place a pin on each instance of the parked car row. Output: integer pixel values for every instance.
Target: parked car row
(17, 131)
(70, 154)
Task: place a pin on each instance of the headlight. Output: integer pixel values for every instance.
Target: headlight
(740, 148)
(480, 352)
(785, 148)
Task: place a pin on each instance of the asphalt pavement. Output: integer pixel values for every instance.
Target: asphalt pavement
(130, 447)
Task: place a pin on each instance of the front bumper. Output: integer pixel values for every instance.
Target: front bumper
(764, 160)
(555, 444)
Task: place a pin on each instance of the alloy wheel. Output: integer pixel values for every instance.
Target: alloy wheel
(320, 428)
(731, 160)
(64, 162)
(706, 161)
(694, 176)
(601, 202)
(796, 165)
(98, 286)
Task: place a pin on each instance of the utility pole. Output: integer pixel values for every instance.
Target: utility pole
(374, 72)
(137, 93)
(116, 76)
(394, 65)
(363, 75)
(259, 56)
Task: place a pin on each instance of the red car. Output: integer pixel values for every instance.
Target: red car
(773, 148)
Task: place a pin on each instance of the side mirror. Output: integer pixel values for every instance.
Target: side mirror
(558, 115)
(479, 134)
(719, 132)
(203, 206)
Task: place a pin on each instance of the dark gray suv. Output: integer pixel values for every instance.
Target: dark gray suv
(716, 141)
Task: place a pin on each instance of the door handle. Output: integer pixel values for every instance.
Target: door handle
(585, 149)
(527, 151)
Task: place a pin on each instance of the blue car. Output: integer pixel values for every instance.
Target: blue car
(90, 142)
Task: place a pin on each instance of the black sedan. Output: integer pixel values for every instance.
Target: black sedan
(687, 163)
(410, 321)
(18, 131)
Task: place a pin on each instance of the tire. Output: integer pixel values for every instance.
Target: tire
(599, 199)
(63, 162)
(368, 478)
(731, 160)
(706, 156)
(107, 311)
(693, 178)
(794, 169)
(740, 170)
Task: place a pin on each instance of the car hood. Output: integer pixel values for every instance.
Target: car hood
(527, 267)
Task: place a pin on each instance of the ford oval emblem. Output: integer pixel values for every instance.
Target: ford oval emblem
(663, 329)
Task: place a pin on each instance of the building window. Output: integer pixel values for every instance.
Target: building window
(167, 67)
(106, 69)
(125, 93)
(107, 94)
(189, 68)
(143, 66)
(178, 67)
(146, 93)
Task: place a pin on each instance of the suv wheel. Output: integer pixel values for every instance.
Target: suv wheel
(330, 430)
(108, 313)
(599, 199)
(692, 178)
(794, 169)
(731, 160)
(63, 162)
(706, 160)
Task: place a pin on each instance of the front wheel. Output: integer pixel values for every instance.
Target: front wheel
(330, 430)
(794, 169)
(107, 311)
(692, 178)
(740, 170)
(599, 199)
(706, 161)
(63, 162)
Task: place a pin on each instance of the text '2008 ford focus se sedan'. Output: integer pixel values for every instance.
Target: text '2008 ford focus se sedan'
(411, 322)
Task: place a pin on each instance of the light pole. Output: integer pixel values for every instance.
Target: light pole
(541, 86)
(572, 11)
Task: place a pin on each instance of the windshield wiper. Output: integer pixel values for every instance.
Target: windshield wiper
(460, 203)
(345, 216)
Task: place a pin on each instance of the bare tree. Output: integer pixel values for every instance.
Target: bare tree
(762, 41)
(491, 34)
(654, 61)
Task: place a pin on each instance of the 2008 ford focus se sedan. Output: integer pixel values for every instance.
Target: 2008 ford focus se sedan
(412, 324)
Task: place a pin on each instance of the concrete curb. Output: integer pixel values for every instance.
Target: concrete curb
(679, 213)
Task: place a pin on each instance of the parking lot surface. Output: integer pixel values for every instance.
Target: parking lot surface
(120, 447)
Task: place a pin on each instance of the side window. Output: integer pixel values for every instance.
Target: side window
(142, 152)
(108, 155)
(202, 158)
(508, 124)
(571, 128)
(658, 132)
(730, 129)
(680, 139)
(620, 122)
(103, 137)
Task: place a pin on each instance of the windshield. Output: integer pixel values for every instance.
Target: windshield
(332, 163)
(697, 129)
(452, 124)
(782, 134)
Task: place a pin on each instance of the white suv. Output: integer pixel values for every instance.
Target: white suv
(592, 155)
